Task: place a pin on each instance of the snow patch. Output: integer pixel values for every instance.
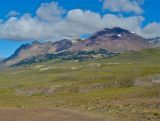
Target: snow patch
(119, 35)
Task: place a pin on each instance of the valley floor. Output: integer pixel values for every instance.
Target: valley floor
(123, 88)
(44, 115)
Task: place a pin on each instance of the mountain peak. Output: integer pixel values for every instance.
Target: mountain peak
(119, 30)
(115, 40)
(115, 32)
(36, 43)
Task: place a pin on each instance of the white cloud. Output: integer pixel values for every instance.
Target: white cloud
(84, 18)
(13, 14)
(50, 23)
(50, 11)
(132, 23)
(151, 30)
(123, 6)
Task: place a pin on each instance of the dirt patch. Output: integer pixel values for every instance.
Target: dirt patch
(43, 115)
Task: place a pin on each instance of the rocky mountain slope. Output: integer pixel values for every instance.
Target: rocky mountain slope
(67, 55)
(35, 49)
(114, 40)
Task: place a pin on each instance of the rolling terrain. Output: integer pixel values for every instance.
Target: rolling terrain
(122, 88)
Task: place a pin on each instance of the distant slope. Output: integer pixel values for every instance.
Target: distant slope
(35, 49)
(155, 41)
(150, 54)
(67, 55)
(114, 40)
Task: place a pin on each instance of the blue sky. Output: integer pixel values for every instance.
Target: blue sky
(73, 18)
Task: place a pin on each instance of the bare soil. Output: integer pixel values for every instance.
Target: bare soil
(43, 115)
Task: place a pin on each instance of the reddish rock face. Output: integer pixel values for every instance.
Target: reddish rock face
(115, 40)
(37, 48)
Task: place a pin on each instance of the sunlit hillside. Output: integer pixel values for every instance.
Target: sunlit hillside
(125, 87)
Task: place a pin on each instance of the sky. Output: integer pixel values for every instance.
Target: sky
(24, 21)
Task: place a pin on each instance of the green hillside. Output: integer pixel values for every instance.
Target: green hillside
(124, 87)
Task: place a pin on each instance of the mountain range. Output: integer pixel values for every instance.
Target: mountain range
(104, 43)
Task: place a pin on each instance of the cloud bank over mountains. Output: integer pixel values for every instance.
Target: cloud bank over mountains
(52, 22)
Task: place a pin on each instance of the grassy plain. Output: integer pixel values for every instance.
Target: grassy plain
(122, 88)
